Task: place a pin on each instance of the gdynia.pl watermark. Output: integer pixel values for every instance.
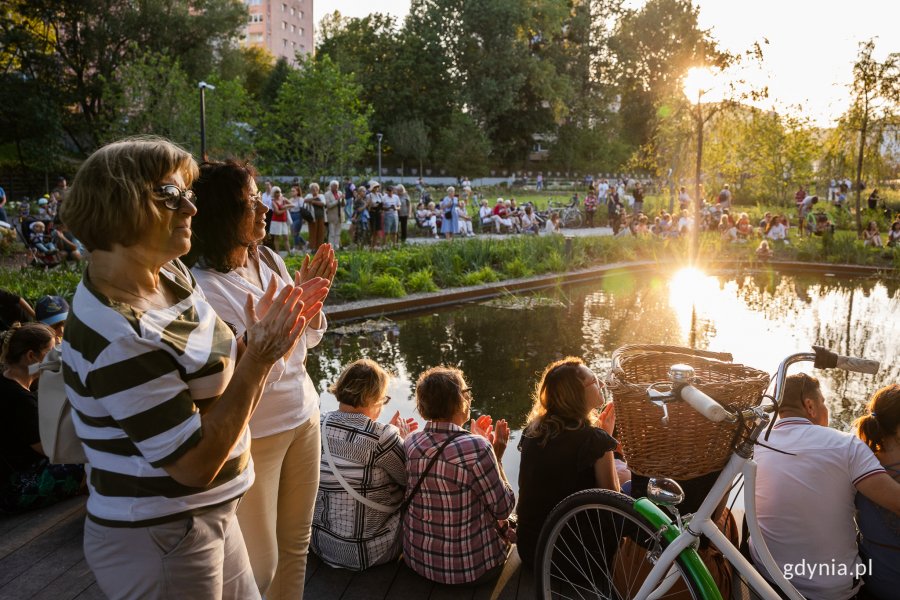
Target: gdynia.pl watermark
(832, 569)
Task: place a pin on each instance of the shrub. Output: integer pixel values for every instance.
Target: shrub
(480, 277)
(421, 281)
(348, 291)
(387, 286)
(517, 268)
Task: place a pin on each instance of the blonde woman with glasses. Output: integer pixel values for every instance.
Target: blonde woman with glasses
(567, 446)
(161, 388)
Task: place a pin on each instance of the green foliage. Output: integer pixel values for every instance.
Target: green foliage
(517, 268)
(319, 124)
(481, 276)
(421, 281)
(77, 48)
(8, 241)
(387, 286)
(32, 283)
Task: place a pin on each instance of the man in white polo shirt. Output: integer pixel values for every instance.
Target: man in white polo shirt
(805, 490)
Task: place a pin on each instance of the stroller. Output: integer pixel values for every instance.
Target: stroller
(44, 254)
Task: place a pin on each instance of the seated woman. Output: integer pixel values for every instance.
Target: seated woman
(27, 479)
(776, 230)
(871, 236)
(425, 217)
(879, 541)
(362, 477)
(452, 530)
(743, 226)
(763, 252)
(565, 447)
(727, 229)
(894, 234)
(529, 221)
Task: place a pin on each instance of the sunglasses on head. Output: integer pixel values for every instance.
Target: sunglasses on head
(173, 196)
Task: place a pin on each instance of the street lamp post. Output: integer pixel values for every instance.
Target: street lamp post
(697, 82)
(379, 136)
(203, 87)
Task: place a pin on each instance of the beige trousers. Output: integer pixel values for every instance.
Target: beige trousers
(201, 557)
(276, 514)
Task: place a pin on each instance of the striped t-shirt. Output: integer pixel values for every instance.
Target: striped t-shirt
(133, 379)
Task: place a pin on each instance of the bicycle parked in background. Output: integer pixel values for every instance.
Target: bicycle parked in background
(603, 544)
(569, 214)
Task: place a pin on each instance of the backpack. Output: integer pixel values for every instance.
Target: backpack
(58, 437)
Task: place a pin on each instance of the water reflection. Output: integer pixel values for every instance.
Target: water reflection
(758, 318)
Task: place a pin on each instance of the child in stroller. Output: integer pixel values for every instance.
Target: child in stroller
(41, 244)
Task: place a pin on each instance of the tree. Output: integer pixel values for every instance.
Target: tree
(409, 140)
(462, 147)
(318, 124)
(92, 40)
(652, 48)
(875, 98)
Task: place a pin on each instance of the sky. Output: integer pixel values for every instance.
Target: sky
(811, 46)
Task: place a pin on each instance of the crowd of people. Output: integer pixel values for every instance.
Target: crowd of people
(212, 471)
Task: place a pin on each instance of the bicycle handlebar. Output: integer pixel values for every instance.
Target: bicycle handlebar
(704, 405)
(826, 359)
(822, 359)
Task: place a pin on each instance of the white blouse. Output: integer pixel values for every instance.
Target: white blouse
(289, 398)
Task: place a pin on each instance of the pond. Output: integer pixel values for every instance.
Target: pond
(503, 345)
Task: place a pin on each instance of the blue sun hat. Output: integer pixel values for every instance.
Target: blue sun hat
(50, 310)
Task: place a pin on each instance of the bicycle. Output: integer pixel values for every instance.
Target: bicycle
(592, 540)
(569, 214)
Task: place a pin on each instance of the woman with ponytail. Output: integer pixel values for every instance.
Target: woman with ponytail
(27, 479)
(879, 528)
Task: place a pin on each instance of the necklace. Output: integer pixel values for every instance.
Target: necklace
(143, 299)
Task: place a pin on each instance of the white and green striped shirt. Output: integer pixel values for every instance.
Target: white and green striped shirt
(133, 379)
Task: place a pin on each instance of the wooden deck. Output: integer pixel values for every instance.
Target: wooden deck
(41, 558)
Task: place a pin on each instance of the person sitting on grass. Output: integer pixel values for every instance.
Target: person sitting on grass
(455, 530)
(362, 477)
(776, 230)
(763, 252)
(27, 479)
(69, 249)
(894, 234)
(871, 236)
(727, 228)
(566, 447)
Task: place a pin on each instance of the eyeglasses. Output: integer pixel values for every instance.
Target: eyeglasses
(255, 201)
(174, 196)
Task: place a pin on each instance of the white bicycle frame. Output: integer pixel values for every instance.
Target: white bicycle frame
(701, 523)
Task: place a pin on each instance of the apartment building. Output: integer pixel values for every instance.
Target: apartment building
(283, 27)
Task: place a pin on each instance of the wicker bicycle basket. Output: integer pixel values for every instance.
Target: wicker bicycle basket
(691, 445)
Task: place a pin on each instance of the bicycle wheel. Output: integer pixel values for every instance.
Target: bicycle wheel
(573, 218)
(595, 545)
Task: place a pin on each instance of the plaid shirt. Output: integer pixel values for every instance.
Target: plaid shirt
(450, 528)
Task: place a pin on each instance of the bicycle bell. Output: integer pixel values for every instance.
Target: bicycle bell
(681, 374)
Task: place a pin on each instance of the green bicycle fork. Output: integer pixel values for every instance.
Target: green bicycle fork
(693, 565)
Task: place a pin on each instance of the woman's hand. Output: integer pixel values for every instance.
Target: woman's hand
(323, 265)
(406, 426)
(273, 335)
(496, 433)
(607, 419)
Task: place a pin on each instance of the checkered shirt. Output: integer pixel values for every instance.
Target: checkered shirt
(370, 456)
(449, 531)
